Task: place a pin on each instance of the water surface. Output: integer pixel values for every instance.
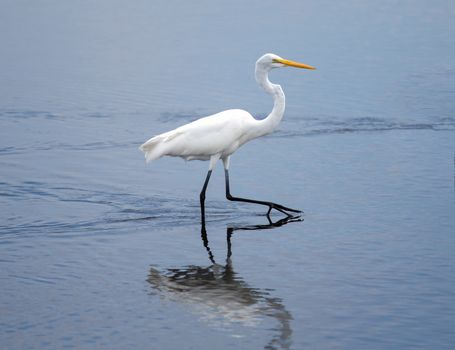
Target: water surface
(100, 251)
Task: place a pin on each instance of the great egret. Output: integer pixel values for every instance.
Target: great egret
(220, 135)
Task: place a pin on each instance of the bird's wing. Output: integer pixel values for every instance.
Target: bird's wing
(200, 139)
(172, 135)
(232, 120)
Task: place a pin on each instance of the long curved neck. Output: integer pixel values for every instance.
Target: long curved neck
(267, 125)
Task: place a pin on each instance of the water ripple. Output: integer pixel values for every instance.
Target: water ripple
(75, 213)
(296, 127)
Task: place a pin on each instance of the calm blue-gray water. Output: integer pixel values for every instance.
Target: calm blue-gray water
(100, 251)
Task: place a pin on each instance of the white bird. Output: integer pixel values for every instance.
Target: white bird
(220, 135)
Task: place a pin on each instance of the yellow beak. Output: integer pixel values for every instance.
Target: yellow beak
(293, 63)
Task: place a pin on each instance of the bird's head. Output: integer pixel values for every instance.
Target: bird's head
(270, 61)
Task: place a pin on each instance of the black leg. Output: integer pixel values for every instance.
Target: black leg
(271, 205)
(202, 197)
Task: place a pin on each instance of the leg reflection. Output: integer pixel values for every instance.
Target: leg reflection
(205, 241)
(221, 285)
(231, 229)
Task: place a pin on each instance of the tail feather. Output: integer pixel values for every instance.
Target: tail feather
(152, 149)
(158, 146)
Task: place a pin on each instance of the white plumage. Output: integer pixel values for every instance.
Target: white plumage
(220, 135)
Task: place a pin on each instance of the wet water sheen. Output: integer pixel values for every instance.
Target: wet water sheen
(100, 251)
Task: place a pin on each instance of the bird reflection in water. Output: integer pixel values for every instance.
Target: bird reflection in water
(221, 297)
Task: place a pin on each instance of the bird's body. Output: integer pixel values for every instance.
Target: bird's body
(220, 135)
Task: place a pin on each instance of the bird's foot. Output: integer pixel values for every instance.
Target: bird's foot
(271, 205)
(282, 209)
